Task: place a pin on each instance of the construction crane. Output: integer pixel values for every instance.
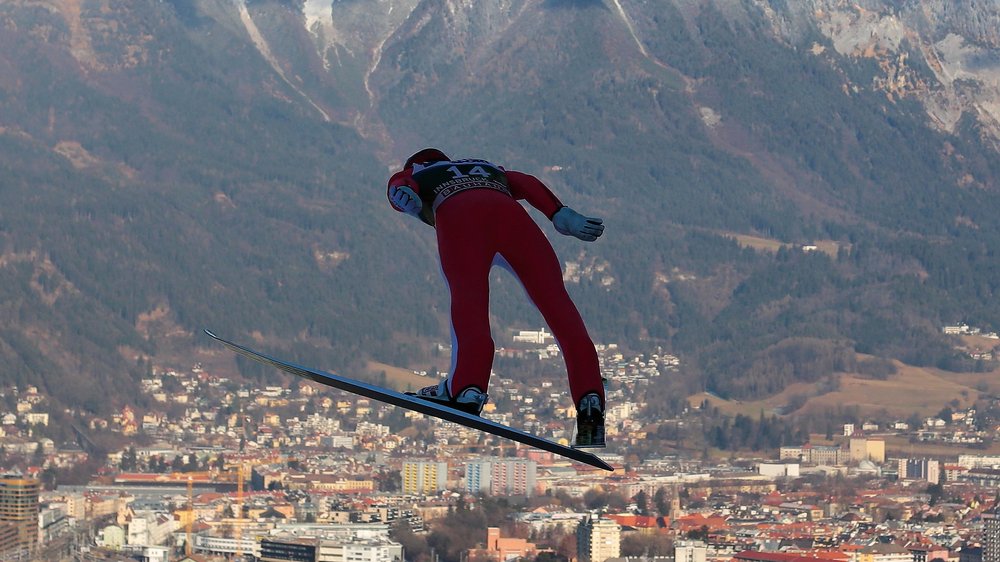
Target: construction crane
(240, 476)
(239, 511)
(190, 518)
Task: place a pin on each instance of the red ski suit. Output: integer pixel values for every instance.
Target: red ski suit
(474, 207)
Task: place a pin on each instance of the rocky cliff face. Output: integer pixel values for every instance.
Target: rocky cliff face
(946, 54)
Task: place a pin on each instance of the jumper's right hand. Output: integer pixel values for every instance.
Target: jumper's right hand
(571, 223)
(405, 199)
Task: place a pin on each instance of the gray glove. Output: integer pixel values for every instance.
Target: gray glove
(571, 223)
(405, 199)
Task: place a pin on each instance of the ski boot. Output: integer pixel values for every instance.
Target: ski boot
(471, 400)
(590, 423)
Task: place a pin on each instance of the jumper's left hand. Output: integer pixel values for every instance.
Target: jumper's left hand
(405, 199)
(571, 223)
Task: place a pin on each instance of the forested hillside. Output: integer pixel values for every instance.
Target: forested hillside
(171, 166)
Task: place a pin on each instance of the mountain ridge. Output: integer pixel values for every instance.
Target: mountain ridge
(206, 163)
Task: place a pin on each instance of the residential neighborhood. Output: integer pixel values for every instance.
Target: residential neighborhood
(218, 469)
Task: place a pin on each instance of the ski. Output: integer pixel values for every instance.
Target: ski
(416, 404)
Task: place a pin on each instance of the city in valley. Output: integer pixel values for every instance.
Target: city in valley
(214, 468)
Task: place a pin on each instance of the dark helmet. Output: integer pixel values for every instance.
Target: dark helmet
(425, 156)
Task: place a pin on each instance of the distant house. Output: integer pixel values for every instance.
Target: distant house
(36, 418)
(927, 552)
(152, 420)
(884, 552)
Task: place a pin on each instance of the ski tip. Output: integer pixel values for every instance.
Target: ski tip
(210, 333)
(598, 462)
(592, 459)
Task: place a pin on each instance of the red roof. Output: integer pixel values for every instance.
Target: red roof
(640, 521)
(697, 521)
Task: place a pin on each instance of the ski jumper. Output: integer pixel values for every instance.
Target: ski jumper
(473, 204)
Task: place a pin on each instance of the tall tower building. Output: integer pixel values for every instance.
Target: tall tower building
(598, 539)
(424, 477)
(675, 504)
(991, 535)
(501, 477)
(864, 449)
(19, 507)
(690, 551)
(919, 469)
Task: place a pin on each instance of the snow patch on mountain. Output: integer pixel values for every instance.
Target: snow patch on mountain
(319, 19)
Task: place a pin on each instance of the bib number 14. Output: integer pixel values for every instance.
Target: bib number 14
(475, 171)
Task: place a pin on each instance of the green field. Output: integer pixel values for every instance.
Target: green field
(924, 391)
(398, 378)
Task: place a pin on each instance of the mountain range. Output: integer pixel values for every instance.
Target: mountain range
(167, 166)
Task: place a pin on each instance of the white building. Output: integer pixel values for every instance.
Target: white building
(337, 441)
(690, 551)
(527, 336)
(360, 550)
(149, 528)
(598, 539)
(325, 549)
(111, 537)
(778, 470)
(52, 523)
(74, 504)
(978, 461)
(152, 553)
(36, 418)
(228, 546)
